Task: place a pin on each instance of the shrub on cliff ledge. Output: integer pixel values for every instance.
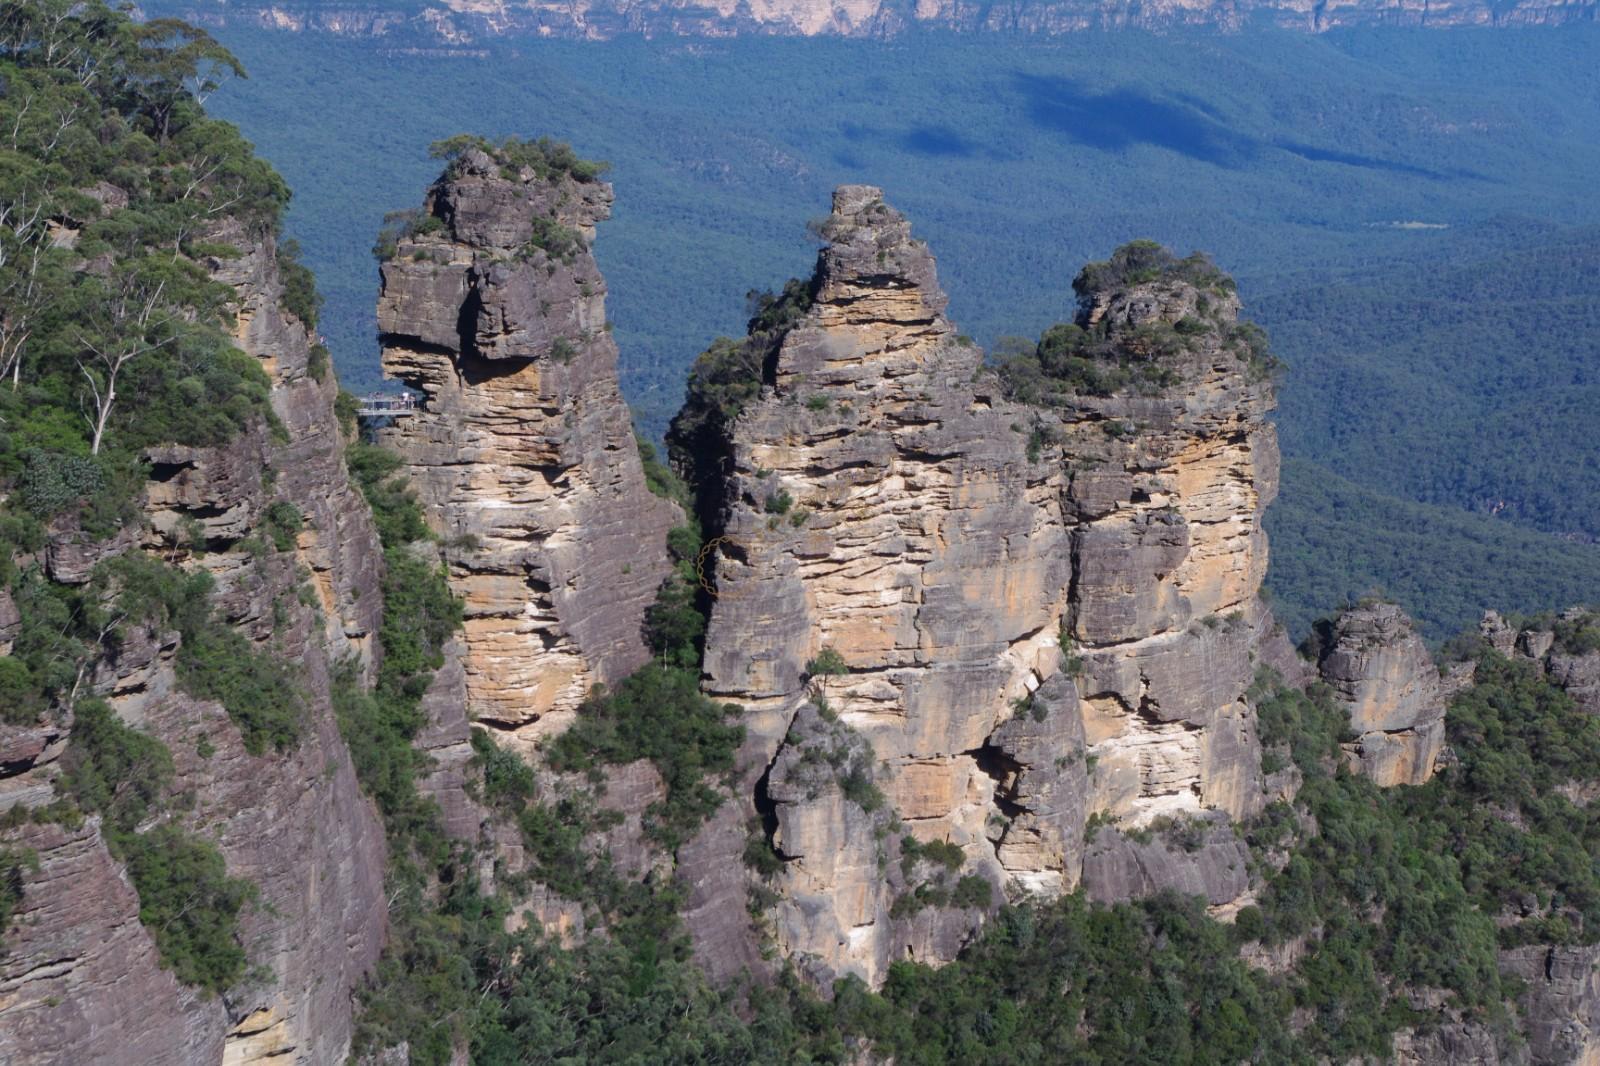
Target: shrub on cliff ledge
(186, 899)
(660, 714)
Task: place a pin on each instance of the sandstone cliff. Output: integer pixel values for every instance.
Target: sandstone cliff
(522, 451)
(80, 981)
(455, 23)
(961, 618)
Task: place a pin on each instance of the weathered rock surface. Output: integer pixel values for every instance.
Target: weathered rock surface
(90, 989)
(1192, 857)
(1166, 482)
(1382, 673)
(462, 22)
(81, 982)
(1560, 1003)
(881, 501)
(522, 451)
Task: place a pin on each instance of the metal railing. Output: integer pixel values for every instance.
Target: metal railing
(387, 405)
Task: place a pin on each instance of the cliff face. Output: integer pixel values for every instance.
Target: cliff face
(900, 553)
(522, 451)
(81, 982)
(462, 22)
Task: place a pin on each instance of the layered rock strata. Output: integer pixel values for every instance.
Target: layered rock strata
(991, 597)
(81, 981)
(1383, 675)
(522, 451)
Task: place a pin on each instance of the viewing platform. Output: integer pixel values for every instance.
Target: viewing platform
(387, 405)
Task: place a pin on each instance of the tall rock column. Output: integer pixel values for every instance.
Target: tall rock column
(961, 618)
(1162, 396)
(888, 556)
(522, 451)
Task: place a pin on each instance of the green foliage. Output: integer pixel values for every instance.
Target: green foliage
(1144, 262)
(117, 338)
(730, 374)
(217, 662)
(300, 295)
(972, 891)
(1099, 358)
(660, 478)
(401, 226)
(660, 714)
(1308, 726)
(1402, 888)
(939, 852)
(778, 502)
(559, 242)
(419, 616)
(674, 626)
(828, 663)
(394, 505)
(113, 769)
(190, 904)
(282, 523)
(507, 781)
(319, 363)
(547, 158)
(1333, 539)
(759, 854)
(1066, 981)
(15, 863)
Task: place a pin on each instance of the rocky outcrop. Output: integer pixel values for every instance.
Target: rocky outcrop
(455, 23)
(1382, 674)
(1560, 1001)
(1566, 647)
(991, 597)
(81, 981)
(522, 451)
(1157, 415)
(1192, 857)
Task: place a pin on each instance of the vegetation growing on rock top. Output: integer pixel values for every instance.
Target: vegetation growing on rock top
(1143, 262)
(547, 158)
(1094, 356)
(730, 373)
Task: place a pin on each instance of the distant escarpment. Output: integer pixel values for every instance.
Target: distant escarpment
(968, 614)
(458, 23)
(522, 451)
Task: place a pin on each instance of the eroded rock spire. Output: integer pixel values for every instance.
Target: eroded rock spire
(523, 451)
(967, 610)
